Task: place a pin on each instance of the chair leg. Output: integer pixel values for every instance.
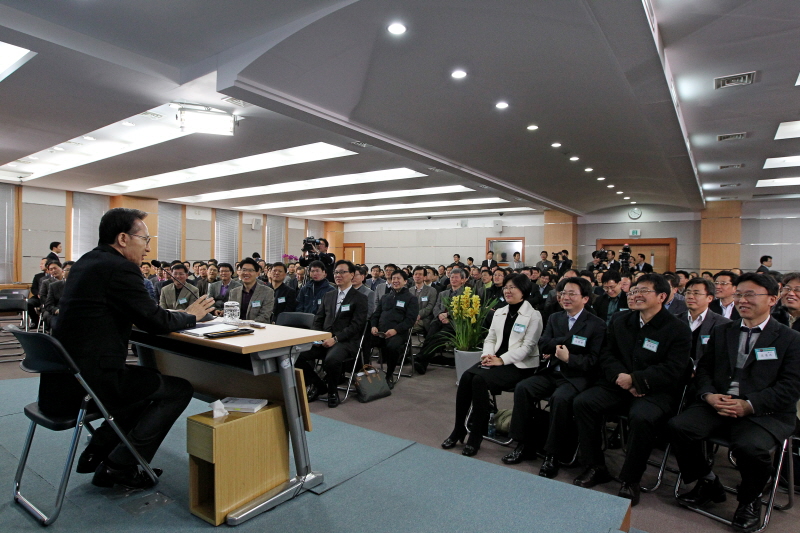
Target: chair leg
(359, 356)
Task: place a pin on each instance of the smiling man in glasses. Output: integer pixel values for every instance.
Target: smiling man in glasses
(788, 311)
(699, 293)
(644, 364)
(748, 385)
(725, 283)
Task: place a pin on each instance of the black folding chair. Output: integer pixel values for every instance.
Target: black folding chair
(44, 354)
(13, 305)
(360, 357)
(295, 320)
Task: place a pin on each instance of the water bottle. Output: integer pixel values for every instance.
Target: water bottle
(231, 313)
(492, 427)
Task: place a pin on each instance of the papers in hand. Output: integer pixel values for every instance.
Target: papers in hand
(202, 329)
(243, 405)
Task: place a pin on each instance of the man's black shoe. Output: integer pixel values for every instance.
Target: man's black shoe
(390, 382)
(333, 399)
(90, 459)
(593, 476)
(130, 477)
(312, 391)
(747, 517)
(631, 491)
(519, 454)
(420, 367)
(703, 493)
(549, 468)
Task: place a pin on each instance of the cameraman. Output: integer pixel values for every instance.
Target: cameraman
(319, 253)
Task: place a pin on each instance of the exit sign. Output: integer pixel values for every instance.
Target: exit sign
(636, 233)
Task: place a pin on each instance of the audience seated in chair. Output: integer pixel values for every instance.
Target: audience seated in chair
(395, 315)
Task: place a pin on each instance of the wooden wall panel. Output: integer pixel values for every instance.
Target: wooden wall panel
(561, 232)
(720, 235)
(334, 232)
(149, 206)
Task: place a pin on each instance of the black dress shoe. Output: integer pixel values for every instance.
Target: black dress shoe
(390, 382)
(631, 491)
(450, 442)
(703, 493)
(130, 477)
(592, 476)
(90, 460)
(470, 450)
(333, 399)
(747, 517)
(312, 391)
(549, 468)
(420, 367)
(519, 454)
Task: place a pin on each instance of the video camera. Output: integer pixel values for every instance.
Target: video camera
(625, 254)
(602, 253)
(310, 244)
(556, 257)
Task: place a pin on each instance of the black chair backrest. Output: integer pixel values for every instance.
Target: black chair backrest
(12, 296)
(43, 353)
(13, 304)
(295, 320)
(23, 292)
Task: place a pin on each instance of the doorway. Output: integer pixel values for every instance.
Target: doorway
(354, 252)
(661, 253)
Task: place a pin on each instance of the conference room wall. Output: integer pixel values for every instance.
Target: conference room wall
(198, 233)
(252, 239)
(435, 241)
(43, 221)
(771, 228)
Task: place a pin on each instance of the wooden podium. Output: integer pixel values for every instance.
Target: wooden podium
(234, 459)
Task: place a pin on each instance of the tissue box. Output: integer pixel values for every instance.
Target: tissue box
(243, 405)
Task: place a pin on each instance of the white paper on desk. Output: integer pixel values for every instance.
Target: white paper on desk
(202, 329)
(218, 409)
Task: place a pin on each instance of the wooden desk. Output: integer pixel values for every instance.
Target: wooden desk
(16, 286)
(257, 366)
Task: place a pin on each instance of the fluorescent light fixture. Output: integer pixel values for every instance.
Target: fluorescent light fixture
(279, 158)
(556, 145)
(533, 127)
(458, 74)
(451, 189)
(393, 207)
(788, 130)
(216, 123)
(11, 58)
(396, 28)
(782, 162)
(11, 175)
(436, 214)
(346, 180)
(778, 182)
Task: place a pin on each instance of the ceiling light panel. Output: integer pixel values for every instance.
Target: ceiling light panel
(779, 182)
(452, 189)
(435, 214)
(376, 176)
(279, 158)
(11, 58)
(788, 130)
(393, 207)
(782, 162)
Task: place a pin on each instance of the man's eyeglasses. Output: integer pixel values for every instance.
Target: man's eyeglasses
(340, 272)
(787, 290)
(749, 295)
(637, 292)
(571, 294)
(695, 294)
(609, 288)
(145, 237)
(723, 283)
(248, 271)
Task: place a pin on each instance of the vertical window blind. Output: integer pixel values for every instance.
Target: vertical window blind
(226, 247)
(7, 197)
(276, 238)
(169, 231)
(87, 210)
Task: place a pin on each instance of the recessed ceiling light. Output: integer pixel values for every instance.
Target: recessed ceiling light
(588, 169)
(128, 123)
(458, 74)
(450, 189)
(556, 145)
(601, 178)
(436, 213)
(633, 202)
(58, 148)
(781, 162)
(620, 192)
(11, 58)
(501, 105)
(626, 197)
(396, 28)
(395, 207)
(533, 127)
(89, 138)
(574, 158)
(279, 158)
(779, 182)
(610, 186)
(32, 157)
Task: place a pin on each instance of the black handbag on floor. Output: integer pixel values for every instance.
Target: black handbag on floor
(371, 384)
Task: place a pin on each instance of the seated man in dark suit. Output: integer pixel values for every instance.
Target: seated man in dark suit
(343, 312)
(614, 298)
(788, 310)
(394, 315)
(310, 296)
(570, 347)
(54, 292)
(675, 303)
(285, 296)
(489, 262)
(644, 364)
(748, 385)
(699, 293)
(725, 283)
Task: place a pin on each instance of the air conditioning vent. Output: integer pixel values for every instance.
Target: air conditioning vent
(732, 136)
(434, 169)
(739, 165)
(360, 143)
(235, 101)
(151, 115)
(776, 196)
(733, 81)
(23, 161)
(728, 197)
(73, 142)
(730, 185)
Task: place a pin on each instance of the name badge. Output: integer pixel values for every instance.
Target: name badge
(182, 301)
(424, 299)
(345, 308)
(545, 296)
(502, 299)
(519, 328)
(319, 301)
(625, 309)
(766, 354)
(579, 341)
(401, 303)
(282, 300)
(704, 338)
(256, 303)
(650, 345)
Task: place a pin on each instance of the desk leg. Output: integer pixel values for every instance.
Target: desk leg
(305, 478)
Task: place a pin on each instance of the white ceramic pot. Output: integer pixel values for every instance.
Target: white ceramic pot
(464, 360)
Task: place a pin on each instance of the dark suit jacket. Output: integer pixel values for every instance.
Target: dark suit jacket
(782, 315)
(285, 300)
(762, 268)
(104, 298)
(601, 304)
(52, 256)
(711, 321)
(580, 370)
(563, 266)
(678, 306)
(488, 263)
(54, 292)
(660, 374)
(771, 386)
(717, 308)
(346, 325)
(396, 310)
(646, 267)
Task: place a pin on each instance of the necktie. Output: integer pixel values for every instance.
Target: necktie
(339, 301)
(572, 321)
(749, 334)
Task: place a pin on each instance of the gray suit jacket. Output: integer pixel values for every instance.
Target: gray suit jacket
(371, 299)
(711, 320)
(380, 290)
(260, 308)
(446, 294)
(427, 300)
(169, 300)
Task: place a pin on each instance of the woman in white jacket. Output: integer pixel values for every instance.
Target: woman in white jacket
(510, 354)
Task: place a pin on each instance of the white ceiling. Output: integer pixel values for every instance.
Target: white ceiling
(589, 74)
